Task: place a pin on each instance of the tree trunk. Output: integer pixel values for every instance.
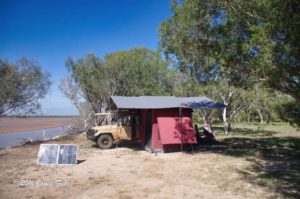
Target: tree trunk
(224, 114)
(204, 119)
(225, 121)
(260, 116)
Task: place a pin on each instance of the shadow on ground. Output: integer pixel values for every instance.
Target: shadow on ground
(133, 145)
(275, 161)
(259, 131)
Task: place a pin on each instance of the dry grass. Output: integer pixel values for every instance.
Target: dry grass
(250, 167)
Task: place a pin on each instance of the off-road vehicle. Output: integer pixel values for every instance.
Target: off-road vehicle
(112, 129)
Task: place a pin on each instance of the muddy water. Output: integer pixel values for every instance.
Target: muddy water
(17, 139)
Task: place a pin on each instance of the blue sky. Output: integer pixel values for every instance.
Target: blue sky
(50, 31)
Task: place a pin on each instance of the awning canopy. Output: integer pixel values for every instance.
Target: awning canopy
(159, 102)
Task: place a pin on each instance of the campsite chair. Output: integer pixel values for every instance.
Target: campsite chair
(209, 134)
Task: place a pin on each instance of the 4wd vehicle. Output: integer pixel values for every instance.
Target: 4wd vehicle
(112, 130)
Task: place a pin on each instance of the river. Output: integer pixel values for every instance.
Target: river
(18, 138)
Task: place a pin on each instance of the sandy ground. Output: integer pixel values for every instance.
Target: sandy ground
(11, 125)
(127, 172)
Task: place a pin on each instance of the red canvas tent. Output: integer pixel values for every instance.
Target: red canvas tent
(165, 122)
(168, 129)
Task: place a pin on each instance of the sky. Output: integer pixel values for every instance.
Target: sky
(50, 31)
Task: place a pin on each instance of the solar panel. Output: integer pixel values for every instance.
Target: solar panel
(48, 154)
(67, 154)
(64, 154)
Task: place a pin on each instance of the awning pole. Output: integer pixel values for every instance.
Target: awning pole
(180, 115)
(117, 115)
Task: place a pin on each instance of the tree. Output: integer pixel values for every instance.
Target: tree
(71, 90)
(89, 74)
(262, 104)
(139, 71)
(235, 99)
(289, 111)
(264, 45)
(22, 85)
(188, 36)
(236, 41)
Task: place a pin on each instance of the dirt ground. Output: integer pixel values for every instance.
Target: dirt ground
(131, 172)
(11, 124)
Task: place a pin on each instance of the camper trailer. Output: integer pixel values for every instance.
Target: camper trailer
(157, 122)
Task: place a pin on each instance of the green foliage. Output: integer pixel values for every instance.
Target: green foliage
(139, 71)
(290, 111)
(273, 39)
(188, 35)
(89, 73)
(22, 85)
(253, 45)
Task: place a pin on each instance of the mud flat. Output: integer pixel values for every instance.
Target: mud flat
(13, 125)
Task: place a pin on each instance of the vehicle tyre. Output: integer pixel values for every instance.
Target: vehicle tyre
(105, 141)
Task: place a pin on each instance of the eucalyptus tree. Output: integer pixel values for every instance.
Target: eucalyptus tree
(138, 71)
(241, 42)
(22, 85)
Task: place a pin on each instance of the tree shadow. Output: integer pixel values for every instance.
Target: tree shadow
(133, 145)
(275, 162)
(259, 132)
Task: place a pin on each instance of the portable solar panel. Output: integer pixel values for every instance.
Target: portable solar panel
(67, 154)
(48, 154)
(64, 154)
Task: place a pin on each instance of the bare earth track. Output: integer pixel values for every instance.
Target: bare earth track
(129, 174)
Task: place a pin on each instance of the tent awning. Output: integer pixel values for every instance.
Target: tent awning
(159, 102)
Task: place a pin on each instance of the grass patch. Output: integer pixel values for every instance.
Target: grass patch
(275, 162)
(257, 131)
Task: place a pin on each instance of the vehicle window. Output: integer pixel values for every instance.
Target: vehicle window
(125, 120)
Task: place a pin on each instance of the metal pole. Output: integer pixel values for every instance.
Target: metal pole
(117, 115)
(192, 148)
(180, 115)
(117, 149)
